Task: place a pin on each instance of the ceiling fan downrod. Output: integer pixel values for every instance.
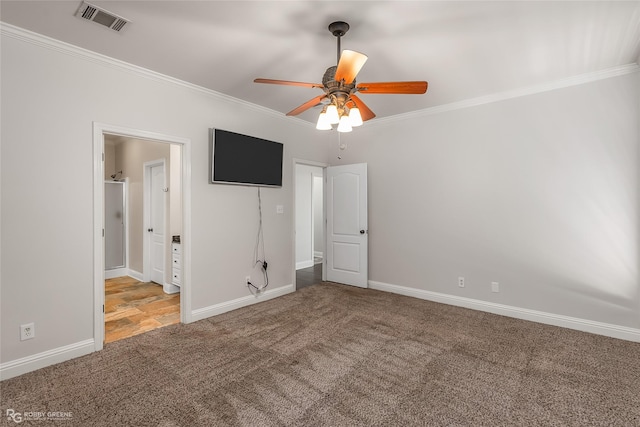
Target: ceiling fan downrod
(338, 29)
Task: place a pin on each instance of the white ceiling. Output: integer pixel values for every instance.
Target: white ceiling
(463, 49)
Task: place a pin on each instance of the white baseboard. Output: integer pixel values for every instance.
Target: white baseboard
(135, 274)
(212, 310)
(170, 288)
(304, 264)
(606, 329)
(121, 272)
(116, 272)
(318, 254)
(47, 358)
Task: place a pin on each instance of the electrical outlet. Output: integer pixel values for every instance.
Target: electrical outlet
(27, 331)
(247, 280)
(495, 287)
(461, 281)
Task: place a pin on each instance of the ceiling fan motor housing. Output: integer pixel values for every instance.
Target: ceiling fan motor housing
(329, 78)
(331, 85)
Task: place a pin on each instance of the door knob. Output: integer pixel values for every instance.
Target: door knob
(361, 231)
(150, 230)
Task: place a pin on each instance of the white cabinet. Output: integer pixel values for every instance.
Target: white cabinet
(176, 264)
(176, 269)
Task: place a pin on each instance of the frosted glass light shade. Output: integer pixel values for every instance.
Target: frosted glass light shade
(345, 125)
(354, 117)
(332, 114)
(323, 123)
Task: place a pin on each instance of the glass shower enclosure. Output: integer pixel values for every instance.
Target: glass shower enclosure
(114, 225)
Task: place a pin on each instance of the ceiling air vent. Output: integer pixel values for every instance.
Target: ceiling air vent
(94, 13)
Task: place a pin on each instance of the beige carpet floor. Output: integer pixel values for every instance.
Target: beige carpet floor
(333, 355)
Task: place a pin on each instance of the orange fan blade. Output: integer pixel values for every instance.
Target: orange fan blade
(393, 87)
(349, 66)
(287, 83)
(365, 111)
(304, 107)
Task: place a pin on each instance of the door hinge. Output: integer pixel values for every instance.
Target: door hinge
(103, 308)
(103, 157)
(103, 232)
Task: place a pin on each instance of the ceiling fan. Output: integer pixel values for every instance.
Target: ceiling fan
(341, 105)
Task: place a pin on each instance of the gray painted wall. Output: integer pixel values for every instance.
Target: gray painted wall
(539, 193)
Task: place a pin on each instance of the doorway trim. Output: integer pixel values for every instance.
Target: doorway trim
(99, 130)
(324, 166)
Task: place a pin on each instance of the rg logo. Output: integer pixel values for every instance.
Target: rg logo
(14, 416)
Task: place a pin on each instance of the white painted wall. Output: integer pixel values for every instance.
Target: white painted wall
(110, 161)
(539, 193)
(50, 98)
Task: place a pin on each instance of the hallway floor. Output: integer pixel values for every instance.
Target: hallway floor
(133, 307)
(308, 276)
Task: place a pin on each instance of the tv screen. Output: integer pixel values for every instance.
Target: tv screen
(245, 160)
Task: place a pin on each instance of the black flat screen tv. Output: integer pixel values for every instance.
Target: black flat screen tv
(245, 160)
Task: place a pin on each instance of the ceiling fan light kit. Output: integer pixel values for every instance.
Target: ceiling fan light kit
(333, 117)
(355, 117)
(341, 106)
(323, 121)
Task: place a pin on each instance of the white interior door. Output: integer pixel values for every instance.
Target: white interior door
(347, 227)
(156, 223)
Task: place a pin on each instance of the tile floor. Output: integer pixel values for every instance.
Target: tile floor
(133, 307)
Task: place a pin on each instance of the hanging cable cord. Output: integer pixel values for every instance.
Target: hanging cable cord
(256, 253)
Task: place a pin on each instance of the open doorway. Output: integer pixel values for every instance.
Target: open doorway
(150, 282)
(309, 224)
(141, 293)
(344, 221)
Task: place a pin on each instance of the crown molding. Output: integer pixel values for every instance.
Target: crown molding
(69, 49)
(52, 44)
(516, 93)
